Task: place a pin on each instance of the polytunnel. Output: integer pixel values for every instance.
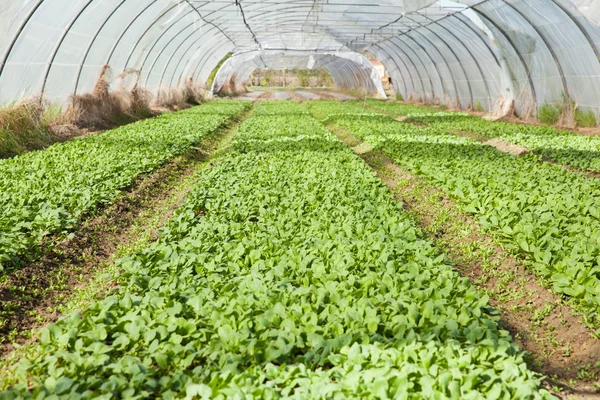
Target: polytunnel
(348, 70)
(489, 54)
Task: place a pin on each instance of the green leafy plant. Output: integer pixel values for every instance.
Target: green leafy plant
(568, 148)
(290, 271)
(47, 192)
(539, 211)
(303, 77)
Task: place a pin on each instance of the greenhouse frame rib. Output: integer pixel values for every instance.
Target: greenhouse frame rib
(173, 42)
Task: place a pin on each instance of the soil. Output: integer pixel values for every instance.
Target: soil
(323, 95)
(499, 144)
(561, 346)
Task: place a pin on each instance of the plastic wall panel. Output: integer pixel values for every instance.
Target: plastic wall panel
(544, 70)
(211, 55)
(177, 60)
(517, 67)
(577, 57)
(402, 79)
(143, 34)
(66, 63)
(398, 74)
(417, 71)
(434, 90)
(159, 55)
(100, 46)
(12, 16)
(24, 71)
(472, 81)
(456, 84)
(482, 68)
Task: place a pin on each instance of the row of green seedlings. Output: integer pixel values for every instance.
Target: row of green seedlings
(47, 192)
(538, 211)
(290, 271)
(568, 148)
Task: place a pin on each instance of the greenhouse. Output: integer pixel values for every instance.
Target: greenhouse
(308, 199)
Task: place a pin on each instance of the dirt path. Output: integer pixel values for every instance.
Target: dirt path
(561, 346)
(33, 297)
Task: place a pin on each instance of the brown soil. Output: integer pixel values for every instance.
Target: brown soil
(267, 95)
(499, 144)
(295, 96)
(323, 95)
(30, 297)
(561, 345)
(470, 135)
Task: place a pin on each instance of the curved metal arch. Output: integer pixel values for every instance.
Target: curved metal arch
(388, 59)
(118, 41)
(16, 37)
(469, 24)
(187, 51)
(176, 36)
(462, 67)
(156, 40)
(580, 26)
(550, 49)
(166, 67)
(515, 49)
(91, 43)
(444, 91)
(344, 73)
(452, 77)
(200, 67)
(192, 57)
(58, 45)
(479, 68)
(392, 56)
(437, 69)
(421, 79)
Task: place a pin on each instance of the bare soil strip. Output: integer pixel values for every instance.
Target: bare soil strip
(34, 296)
(560, 345)
(497, 143)
(323, 95)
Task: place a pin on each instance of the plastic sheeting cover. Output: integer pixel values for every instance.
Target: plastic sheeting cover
(465, 53)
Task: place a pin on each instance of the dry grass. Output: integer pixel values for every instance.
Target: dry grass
(23, 127)
(232, 87)
(177, 98)
(104, 109)
(34, 124)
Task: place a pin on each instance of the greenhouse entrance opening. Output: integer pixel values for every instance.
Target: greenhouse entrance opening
(346, 71)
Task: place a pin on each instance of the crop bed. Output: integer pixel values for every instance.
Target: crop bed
(290, 271)
(46, 192)
(539, 211)
(565, 147)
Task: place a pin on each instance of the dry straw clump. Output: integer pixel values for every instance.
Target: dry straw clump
(104, 109)
(34, 123)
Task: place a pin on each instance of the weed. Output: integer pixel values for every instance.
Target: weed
(478, 106)
(549, 113)
(585, 118)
